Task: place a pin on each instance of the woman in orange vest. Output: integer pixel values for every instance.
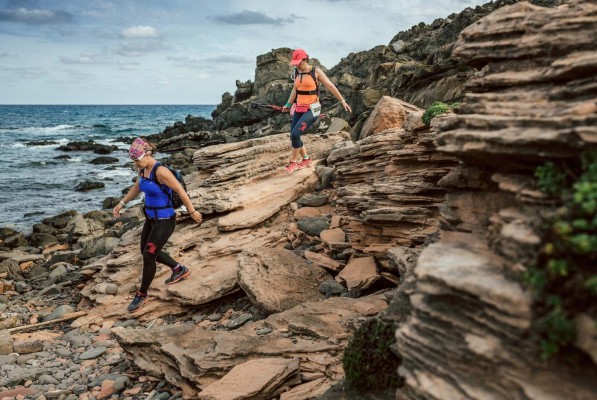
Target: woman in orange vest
(307, 107)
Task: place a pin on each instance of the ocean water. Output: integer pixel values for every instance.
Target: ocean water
(35, 184)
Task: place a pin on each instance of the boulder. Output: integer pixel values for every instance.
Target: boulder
(277, 279)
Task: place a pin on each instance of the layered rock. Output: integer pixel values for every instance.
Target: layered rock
(247, 178)
(244, 182)
(193, 358)
(471, 320)
(387, 184)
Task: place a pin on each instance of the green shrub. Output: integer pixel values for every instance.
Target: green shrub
(437, 108)
(564, 282)
(368, 361)
(550, 178)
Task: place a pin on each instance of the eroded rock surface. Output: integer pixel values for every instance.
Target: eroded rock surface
(471, 322)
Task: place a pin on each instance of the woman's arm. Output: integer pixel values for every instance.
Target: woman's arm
(165, 177)
(130, 195)
(290, 99)
(321, 76)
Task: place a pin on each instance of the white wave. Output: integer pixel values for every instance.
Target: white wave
(114, 173)
(74, 159)
(48, 129)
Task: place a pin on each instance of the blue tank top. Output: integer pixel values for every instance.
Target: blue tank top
(157, 196)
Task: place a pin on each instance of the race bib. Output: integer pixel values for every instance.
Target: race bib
(315, 108)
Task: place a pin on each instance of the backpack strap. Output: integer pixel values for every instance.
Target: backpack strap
(312, 73)
(153, 175)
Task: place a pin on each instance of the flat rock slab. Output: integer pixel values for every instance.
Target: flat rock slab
(359, 273)
(209, 280)
(323, 261)
(260, 200)
(277, 279)
(334, 238)
(259, 379)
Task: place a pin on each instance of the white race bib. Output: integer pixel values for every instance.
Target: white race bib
(315, 108)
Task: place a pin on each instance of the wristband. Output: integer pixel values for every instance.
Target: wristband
(287, 105)
(122, 203)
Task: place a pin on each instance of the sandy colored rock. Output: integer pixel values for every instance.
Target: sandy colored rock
(388, 113)
(359, 273)
(258, 379)
(277, 279)
(324, 261)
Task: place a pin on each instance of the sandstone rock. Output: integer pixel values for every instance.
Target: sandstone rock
(323, 261)
(257, 379)
(6, 343)
(203, 356)
(359, 274)
(388, 113)
(277, 279)
(26, 347)
(309, 390)
(500, 133)
(586, 338)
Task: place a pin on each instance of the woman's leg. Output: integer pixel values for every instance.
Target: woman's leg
(158, 236)
(299, 152)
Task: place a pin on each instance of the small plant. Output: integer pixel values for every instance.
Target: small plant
(437, 108)
(564, 281)
(368, 361)
(550, 178)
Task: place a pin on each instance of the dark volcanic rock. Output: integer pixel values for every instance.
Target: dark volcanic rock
(89, 185)
(88, 145)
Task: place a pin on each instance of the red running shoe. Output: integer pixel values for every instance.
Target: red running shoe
(305, 163)
(291, 167)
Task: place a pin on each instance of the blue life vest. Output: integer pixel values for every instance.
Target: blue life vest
(157, 196)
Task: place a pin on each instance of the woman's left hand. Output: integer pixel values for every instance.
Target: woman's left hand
(196, 216)
(346, 106)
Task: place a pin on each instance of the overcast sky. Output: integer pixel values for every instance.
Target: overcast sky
(180, 51)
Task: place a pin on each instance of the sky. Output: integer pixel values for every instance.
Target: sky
(180, 51)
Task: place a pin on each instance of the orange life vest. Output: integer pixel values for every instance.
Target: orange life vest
(306, 87)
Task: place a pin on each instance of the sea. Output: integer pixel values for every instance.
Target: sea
(36, 183)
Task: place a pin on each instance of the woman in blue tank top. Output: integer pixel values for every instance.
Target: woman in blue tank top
(160, 218)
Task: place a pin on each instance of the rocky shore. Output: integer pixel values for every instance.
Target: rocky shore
(427, 227)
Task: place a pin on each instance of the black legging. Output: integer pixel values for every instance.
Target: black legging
(154, 236)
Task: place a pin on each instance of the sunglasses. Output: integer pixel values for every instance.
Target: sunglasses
(140, 157)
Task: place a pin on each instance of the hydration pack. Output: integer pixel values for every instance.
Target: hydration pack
(296, 73)
(174, 197)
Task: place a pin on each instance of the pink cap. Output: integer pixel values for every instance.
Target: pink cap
(298, 55)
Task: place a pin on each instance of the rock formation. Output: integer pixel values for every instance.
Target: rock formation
(286, 267)
(469, 336)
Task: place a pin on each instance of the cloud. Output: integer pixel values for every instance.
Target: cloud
(139, 47)
(127, 66)
(139, 32)
(231, 59)
(247, 17)
(4, 54)
(29, 12)
(209, 63)
(85, 58)
(24, 72)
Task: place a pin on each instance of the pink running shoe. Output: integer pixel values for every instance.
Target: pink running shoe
(291, 167)
(305, 163)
